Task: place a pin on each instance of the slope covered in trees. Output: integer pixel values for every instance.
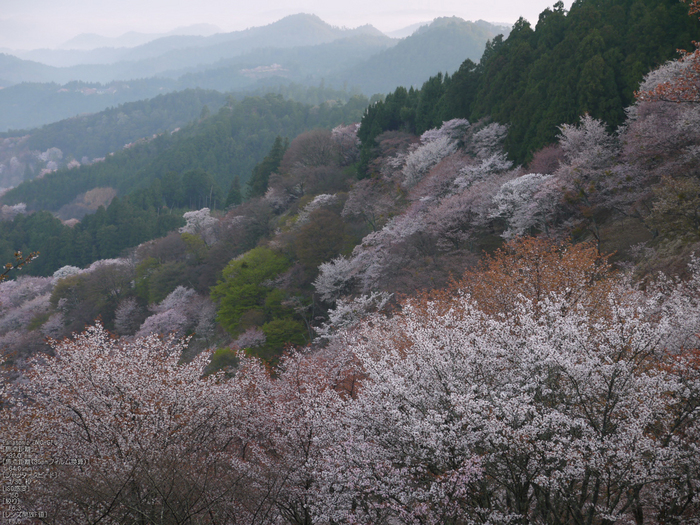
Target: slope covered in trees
(588, 60)
(224, 145)
(338, 247)
(572, 407)
(98, 134)
(540, 382)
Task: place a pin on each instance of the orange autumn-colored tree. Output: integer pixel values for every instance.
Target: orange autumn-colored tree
(534, 268)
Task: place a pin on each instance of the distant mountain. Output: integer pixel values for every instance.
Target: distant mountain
(65, 58)
(90, 41)
(309, 65)
(441, 46)
(177, 52)
(408, 30)
(300, 49)
(30, 105)
(96, 49)
(291, 31)
(372, 64)
(14, 70)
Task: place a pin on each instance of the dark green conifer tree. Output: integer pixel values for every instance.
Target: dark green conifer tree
(235, 197)
(257, 185)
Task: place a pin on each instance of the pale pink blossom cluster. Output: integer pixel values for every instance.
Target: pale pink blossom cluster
(182, 312)
(439, 412)
(201, 223)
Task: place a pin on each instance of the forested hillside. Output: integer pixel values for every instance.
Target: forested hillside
(99, 134)
(389, 321)
(224, 145)
(85, 139)
(440, 46)
(161, 178)
(589, 60)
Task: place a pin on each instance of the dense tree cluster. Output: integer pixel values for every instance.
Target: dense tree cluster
(547, 383)
(433, 203)
(575, 400)
(94, 136)
(227, 144)
(125, 223)
(588, 60)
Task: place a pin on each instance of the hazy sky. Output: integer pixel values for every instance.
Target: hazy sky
(26, 24)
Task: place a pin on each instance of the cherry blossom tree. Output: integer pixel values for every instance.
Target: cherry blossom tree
(320, 201)
(552, 413)
(201, 223)
(138, 437)
(372, 201)
(348, 313)
(421, 159)
(22, 300)
(456, 220)
(128, 316)
(587, 193)
(454, 129)
(334, 278)
(546, 160)
(488, 140)
(588, 144)
(8, 213)
(515, 203)
(347, 142)
(440, 180)
(179, 314)
(251, 338)
(472, 173)
(294, 414)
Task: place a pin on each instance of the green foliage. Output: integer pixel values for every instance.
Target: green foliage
(196, 247)
(235, 196)
(92, 295)
(38, 321)
(242, 287)
(257, 185)
(228, 144)
(223, 358)
(98, 134)
(200, 190)
(589, 60)
(279, 333)
(164, 279)
(676, 210)
(144, 271)
(125, 223)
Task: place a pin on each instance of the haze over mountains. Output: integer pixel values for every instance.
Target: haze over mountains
(89, 48)
(89, 41)
(300, 48)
